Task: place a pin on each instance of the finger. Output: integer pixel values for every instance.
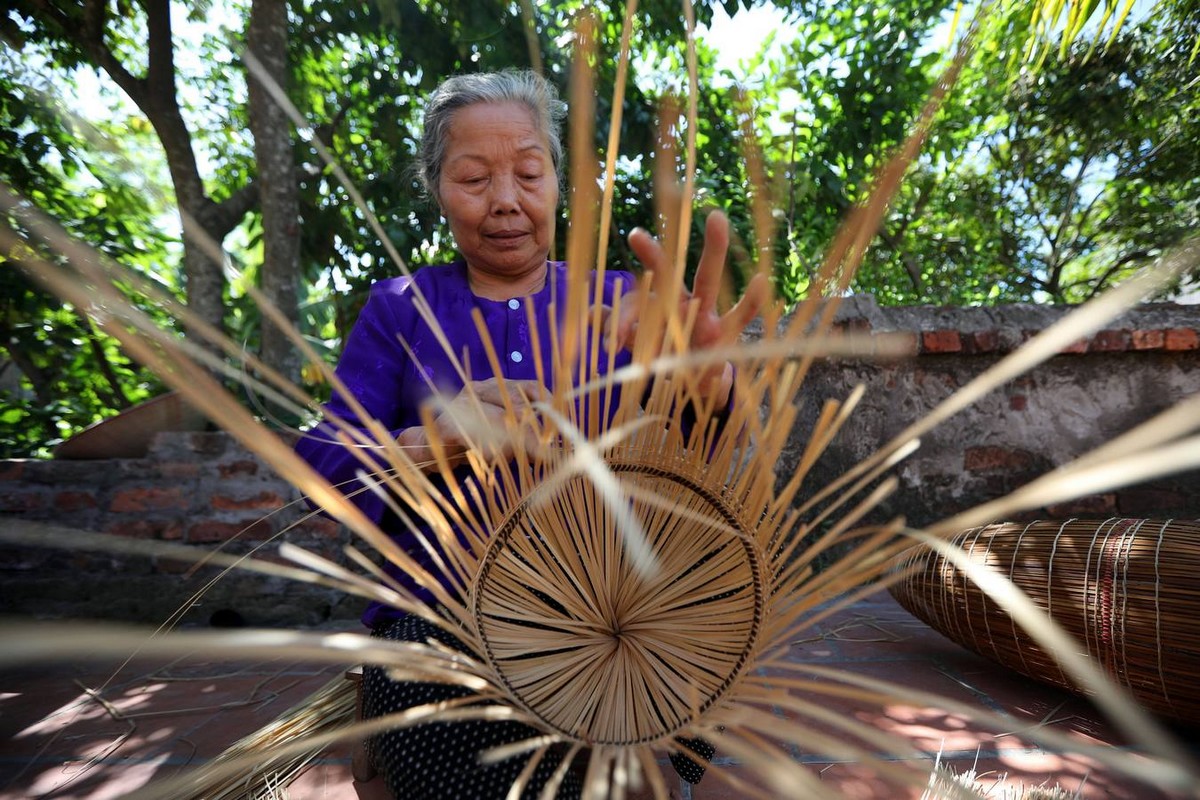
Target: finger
(487, 391)
(632, 304)
(650, 253)
(599, 318)
(707, 285)
(627, 320)
(528, 391)
(734, 321)
(603, 310)
(647, 249)
(496, 391)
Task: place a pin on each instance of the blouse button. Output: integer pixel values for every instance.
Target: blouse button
(514, 304)
(516, 356)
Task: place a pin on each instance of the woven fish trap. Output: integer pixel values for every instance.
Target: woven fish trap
(602, 649)
(1125, 589)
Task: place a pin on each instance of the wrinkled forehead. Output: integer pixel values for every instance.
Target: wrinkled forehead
(492, 129)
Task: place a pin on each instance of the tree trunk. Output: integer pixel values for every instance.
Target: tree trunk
(273, 150)
(204, 228)
(205, 222)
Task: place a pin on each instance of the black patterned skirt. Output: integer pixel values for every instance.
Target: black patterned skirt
(440, 760)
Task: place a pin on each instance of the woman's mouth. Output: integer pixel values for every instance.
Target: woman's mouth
(506, 237)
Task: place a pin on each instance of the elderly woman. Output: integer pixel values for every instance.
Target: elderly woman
(491, 157)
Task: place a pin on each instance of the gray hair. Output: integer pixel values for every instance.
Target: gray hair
(519, 86)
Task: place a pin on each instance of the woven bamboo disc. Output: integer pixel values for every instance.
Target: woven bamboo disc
(603, 652)
(1126, 589)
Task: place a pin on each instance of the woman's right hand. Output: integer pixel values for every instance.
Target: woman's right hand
(710, 327)
(477, 416)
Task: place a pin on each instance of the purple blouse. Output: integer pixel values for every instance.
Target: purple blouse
(388, 382)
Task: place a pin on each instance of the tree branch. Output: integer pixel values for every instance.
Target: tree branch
(1086, 214)
(324, 132)
(116, 394)
(91, 39)
(36, 376)
(226, 214)
(160, 71)
(910, 266)
(1072, 197)
(1120, 263)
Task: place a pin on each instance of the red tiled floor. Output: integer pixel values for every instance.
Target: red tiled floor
(333, 782)
(71, 732)
(59, 740)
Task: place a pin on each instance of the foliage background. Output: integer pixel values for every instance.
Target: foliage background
(1038, 184)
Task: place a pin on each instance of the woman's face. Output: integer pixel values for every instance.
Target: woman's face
(498, 189)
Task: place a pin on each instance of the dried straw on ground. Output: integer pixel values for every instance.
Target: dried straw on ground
(329, 708)
(625, 578)
(1125, 589)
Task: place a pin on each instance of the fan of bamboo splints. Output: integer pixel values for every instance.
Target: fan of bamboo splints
(625, 579)
(623, 571)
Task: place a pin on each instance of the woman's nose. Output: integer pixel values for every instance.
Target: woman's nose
(504, 194)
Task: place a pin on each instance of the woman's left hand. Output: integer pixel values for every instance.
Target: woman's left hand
(711, 328)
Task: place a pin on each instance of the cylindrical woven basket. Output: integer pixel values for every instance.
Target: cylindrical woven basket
(1128, 590)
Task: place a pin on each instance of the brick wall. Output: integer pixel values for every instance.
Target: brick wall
(1092, 391)
(203, 489)
(200, 489)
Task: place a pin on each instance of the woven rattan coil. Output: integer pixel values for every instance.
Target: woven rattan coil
(1126, 589)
